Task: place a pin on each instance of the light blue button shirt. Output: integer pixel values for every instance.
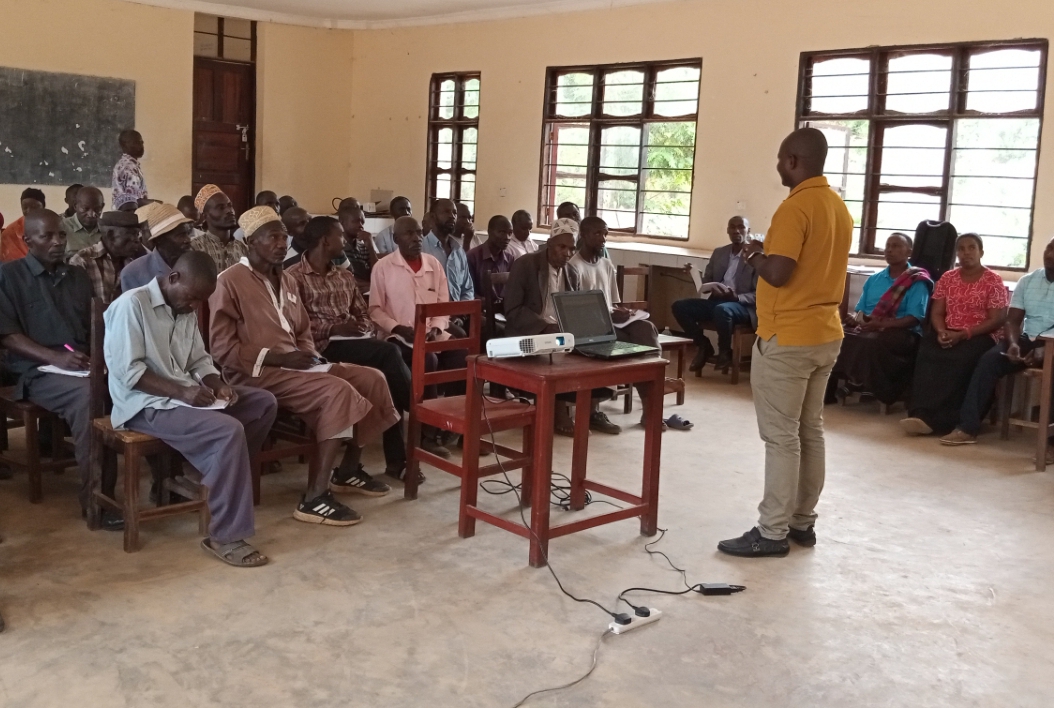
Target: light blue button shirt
(456, 266)
(384, 241)
(913, 303)
(145, 335)
(729, 281)
(1035, 295)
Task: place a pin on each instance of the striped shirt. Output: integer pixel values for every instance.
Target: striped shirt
(103, 270)
(330, 299)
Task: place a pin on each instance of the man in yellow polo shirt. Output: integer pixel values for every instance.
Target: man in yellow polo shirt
(801, 268)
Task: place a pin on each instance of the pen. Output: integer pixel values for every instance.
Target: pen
(69, 348)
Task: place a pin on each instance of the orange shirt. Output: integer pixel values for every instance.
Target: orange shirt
(813, 227)
(12, 244)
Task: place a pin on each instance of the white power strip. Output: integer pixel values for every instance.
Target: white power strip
(636, 621)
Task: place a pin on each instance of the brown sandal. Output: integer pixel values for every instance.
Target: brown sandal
(237, 553)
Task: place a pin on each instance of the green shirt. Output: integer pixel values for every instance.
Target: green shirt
(77, 237)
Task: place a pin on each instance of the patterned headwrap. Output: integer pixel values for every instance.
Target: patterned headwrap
(252, 220)
(564, 226)
(121, 199)
(204, 195)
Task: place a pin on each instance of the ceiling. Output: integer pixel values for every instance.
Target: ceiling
(379, 14)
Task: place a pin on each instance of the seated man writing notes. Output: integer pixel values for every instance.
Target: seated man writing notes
(261, 335)
(341, 324)
(163, 383)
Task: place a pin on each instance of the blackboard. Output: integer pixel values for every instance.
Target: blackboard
(61, 128)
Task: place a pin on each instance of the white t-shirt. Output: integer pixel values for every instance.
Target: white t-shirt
(519, 248)
(599, 275)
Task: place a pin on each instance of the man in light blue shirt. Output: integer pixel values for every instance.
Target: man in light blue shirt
(384, 241)
(1031, 314)
(163, 383)
(440, 242)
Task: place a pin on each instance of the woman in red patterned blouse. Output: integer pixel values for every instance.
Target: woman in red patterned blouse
(967, 314)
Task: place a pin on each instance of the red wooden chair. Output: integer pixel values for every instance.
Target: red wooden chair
(448, 413)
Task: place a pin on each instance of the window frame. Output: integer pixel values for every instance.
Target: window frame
(596, 121)
(879, 120)
(220, 35)
(458, 124)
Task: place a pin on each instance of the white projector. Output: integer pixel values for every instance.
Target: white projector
(530, 346)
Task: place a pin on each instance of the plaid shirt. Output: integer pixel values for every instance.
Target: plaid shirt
(329, 299)
(225, 256)
(103, 271)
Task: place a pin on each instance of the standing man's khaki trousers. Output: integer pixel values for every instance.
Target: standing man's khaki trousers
(788, 385)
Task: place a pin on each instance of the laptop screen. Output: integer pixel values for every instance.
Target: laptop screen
(584, 314)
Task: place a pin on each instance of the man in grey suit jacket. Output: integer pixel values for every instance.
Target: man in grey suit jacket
(731, 285)
(529, 309)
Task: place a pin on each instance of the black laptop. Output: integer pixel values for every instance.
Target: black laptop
(585, 314)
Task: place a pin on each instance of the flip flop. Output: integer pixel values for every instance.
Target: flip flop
(235, 553)
(678, 423)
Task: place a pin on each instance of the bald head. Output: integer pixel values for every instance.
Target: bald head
(408, 236)
(738, 229)
(296, 220)
(131, 143)
(802, 156)
(89, 205)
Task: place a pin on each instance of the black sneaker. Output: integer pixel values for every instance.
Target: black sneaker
(806, 538)
(753, 545)
(358, 482)
(327, 511)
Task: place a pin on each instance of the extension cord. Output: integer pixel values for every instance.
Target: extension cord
(654, 616)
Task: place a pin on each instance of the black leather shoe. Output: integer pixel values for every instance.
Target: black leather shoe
(806, 538)
(753, 545)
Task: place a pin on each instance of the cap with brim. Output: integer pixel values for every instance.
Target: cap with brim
(119, 219)
(161, 219)
(257, 217)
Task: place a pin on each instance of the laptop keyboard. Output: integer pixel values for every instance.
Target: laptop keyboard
(609, 348)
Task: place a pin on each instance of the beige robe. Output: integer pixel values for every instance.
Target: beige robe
(248, 319)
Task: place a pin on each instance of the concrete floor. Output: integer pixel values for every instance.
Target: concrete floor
(929, 587)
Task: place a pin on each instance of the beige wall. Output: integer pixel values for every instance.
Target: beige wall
(750, 51)
(304, 88)
(149, 45)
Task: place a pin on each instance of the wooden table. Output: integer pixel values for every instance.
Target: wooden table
(545, 378)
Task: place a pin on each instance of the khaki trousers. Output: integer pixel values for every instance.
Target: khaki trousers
(788, 385)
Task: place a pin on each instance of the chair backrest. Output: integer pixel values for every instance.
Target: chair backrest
(419, 378)
(203, 322)
(490, 279)
(641, 271)
(98, 391)
(934, 247)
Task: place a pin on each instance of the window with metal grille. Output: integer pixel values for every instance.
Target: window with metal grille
(944, 132)
(619, 141)
(453, 134)
(224, 37)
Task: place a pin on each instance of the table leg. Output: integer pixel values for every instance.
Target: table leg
(580, 451)
(542, 473)
(649, 520)
(526, 478)
(466, 525)
(1044, 407)
(680, 375)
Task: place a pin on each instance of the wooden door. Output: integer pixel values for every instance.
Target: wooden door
(224, 128)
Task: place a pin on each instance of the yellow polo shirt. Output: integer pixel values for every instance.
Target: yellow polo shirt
(814, 228)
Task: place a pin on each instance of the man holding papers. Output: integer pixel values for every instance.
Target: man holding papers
(163, 383)
(45, 320)
(261, 335)
(341, 326)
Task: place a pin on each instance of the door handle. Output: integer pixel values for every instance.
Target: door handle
(245, 132)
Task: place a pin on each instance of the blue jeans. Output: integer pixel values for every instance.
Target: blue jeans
(725, 315)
